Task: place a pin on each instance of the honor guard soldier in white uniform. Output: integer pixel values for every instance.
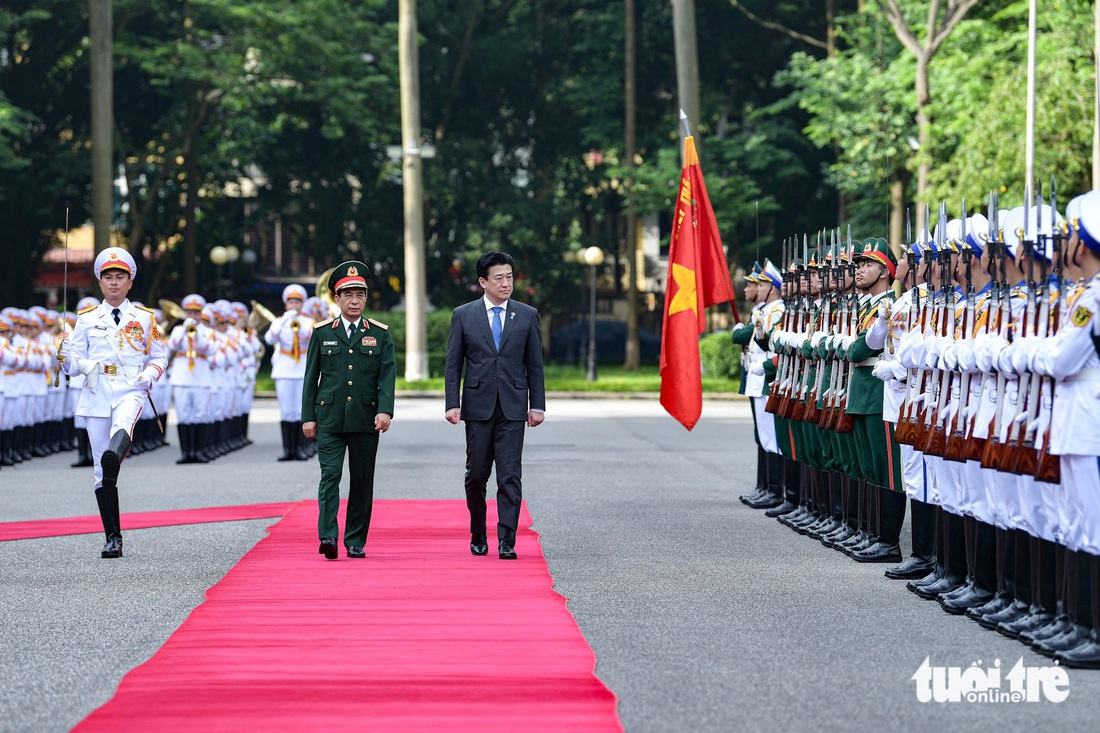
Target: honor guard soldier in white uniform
(190, 344)
(10, 362)
(117, 348)
(289, 338)
(76, 387)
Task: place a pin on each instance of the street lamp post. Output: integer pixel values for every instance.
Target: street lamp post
(593, 257)
(219, 255)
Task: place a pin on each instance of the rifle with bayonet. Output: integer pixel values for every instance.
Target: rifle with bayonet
(1026, 459)
(781, 367)
(844, 422)
(812, 413)
(955, 449)
(999, 323)
(1049, 467)
(939, 384)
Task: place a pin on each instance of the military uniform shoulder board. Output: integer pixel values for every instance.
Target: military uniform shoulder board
(89, 309)
(146, 309)
(324, 323)
(383, 326)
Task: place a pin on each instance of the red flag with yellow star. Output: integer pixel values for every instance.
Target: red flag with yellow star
(698, 276)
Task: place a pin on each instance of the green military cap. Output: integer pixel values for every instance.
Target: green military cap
(796, 264)
(849, 249)
(350, 274)
(878, 249)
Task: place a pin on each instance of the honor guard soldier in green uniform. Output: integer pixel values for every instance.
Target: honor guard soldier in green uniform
(347, 401)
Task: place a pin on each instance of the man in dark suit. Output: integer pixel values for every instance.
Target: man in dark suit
(347, 401)
(498, 343)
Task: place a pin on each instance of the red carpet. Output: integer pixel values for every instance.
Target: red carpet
(36, 529)
(420, 636)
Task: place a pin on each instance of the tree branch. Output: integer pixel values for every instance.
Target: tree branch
(810, 40)
(956, 11)
(902, 30)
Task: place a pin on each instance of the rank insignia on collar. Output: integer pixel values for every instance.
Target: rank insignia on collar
(1081, 316)
(370, 341)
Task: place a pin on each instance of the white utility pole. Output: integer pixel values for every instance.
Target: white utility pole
(416, 296)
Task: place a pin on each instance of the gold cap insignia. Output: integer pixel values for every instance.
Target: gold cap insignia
(114, 255)
(353, 271)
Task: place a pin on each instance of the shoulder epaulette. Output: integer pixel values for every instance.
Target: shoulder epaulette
(146, 309)
(383, 326)
(324, 323)
(89, 309)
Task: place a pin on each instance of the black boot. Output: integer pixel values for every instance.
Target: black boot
(186, 448)
(922, 559)
(981, 568)
(7, 441)
(244, 428)
(83, 450)
(954, 558)
(299, 444)
(758, 491)
(286, 427)
(39, 440)
(791, 473)
(112, 458)
(1068, 631)
(107, 498)
(1002, 596)
(1086, 655)
(891, 517)
(1039, 612)
(773, 478)
(1017, 582)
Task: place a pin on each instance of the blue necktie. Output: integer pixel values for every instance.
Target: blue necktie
(498, 326)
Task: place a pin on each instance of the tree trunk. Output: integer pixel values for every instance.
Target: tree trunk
(633, 350)
(924, 137)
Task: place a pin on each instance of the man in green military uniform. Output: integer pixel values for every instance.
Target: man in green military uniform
(879, 457)
(347, 401)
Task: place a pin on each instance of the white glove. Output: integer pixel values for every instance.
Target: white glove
(949, 359)
(1019, 356)
(816, 339)
(757, 369)
(900, 372)
(146, 379)
(986, 351)
(964, 355)
(883, 371)
(188, 322)
(933, 348)
(86, 366)
(65, 349)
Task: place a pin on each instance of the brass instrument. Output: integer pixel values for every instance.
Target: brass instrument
(192, 330)
(322, 292)
(260, 318)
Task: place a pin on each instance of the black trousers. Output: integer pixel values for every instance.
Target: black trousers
(498, 441)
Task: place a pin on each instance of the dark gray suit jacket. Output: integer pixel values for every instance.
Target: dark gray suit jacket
(515, 375)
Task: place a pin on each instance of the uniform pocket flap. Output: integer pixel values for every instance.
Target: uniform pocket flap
(324, 398)
(521, 383)
(471, 382)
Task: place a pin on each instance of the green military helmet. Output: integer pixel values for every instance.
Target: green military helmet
(350, 274)
(878, 249)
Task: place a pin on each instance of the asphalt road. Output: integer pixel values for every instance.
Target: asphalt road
(704, 615)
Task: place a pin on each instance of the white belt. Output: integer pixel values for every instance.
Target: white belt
(1085, 375)
(869, 361)
(114, 369)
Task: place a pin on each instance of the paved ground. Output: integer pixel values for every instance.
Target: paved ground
(704, 615)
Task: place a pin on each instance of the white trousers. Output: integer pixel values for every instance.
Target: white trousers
(100, 429)
(289, 392)
(1079, 503)
(191, 403)
(914, 474)
(765, 421)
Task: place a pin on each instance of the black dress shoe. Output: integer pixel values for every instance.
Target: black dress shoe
(328, 548)
(879, 552)
(912, 568)
(479, 545)
(356, 553)
(1084, 656)
(507, 552)
(113, 548)
(785, 508)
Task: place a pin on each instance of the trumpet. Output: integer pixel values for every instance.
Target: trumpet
(192, 330)
(295, 325)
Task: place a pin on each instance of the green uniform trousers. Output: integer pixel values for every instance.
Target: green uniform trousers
(879, 456)
(361, 449)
